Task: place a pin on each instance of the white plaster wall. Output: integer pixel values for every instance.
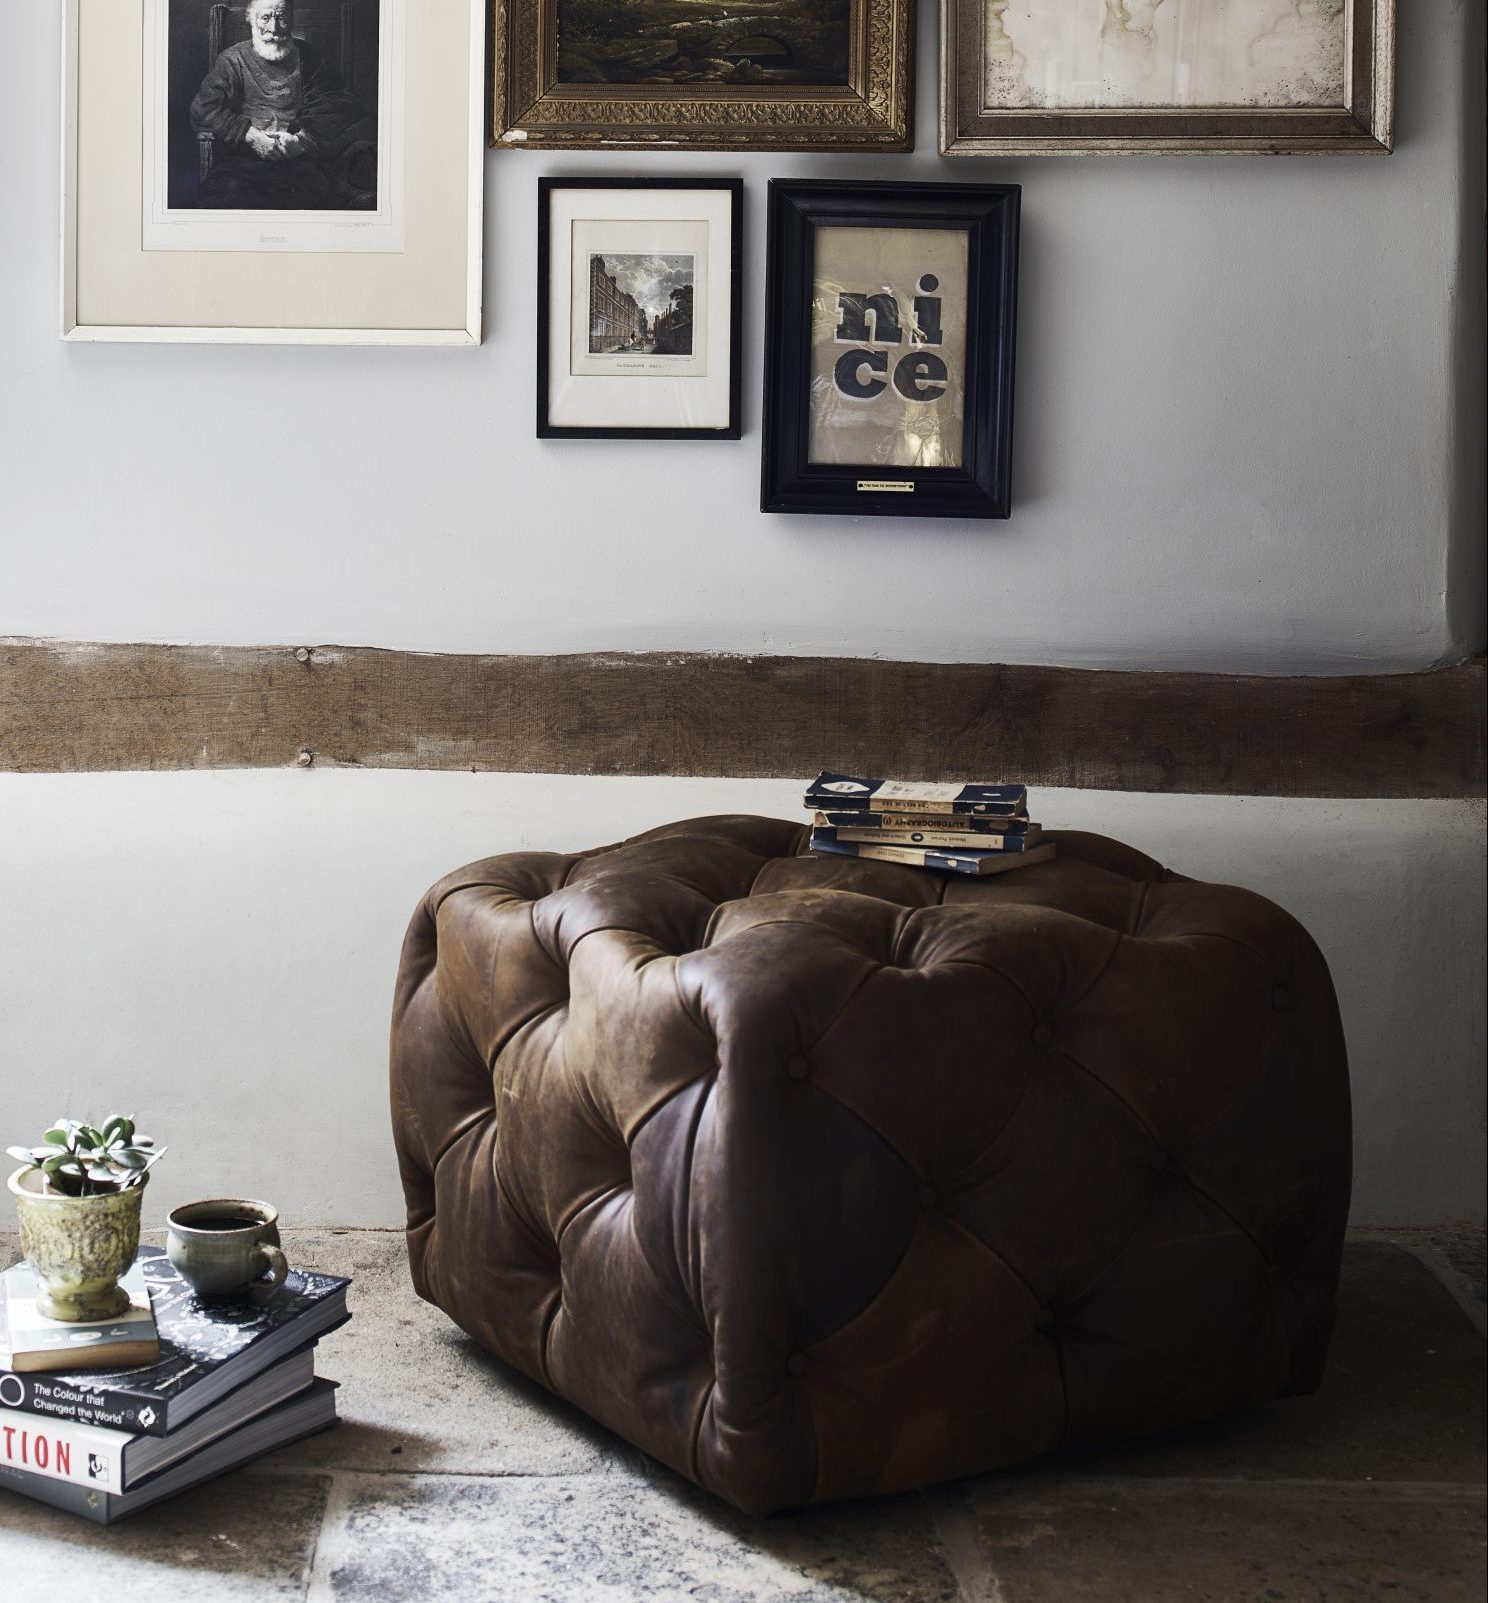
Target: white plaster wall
(217, 950)
(1238, 385)
(1249, 427)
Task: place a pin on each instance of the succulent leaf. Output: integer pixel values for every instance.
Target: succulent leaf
(82, 1160)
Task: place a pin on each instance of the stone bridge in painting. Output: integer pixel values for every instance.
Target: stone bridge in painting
(770, 39)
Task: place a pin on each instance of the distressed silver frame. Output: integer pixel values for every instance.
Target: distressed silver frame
(1365, 124)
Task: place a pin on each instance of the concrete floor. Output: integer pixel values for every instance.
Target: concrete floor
(449, 1477)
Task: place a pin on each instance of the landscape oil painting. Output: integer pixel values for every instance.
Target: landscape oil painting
(702, 74)
(705, 43)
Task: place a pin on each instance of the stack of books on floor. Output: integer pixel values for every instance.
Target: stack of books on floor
(957, 829)
(106, 1419)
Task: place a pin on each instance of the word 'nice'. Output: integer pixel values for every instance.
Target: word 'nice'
(919, 375)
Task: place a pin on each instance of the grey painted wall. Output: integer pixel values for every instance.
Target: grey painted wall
(217, 951)
(1248, 417)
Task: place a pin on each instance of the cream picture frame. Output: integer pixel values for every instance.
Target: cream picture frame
(427, 291)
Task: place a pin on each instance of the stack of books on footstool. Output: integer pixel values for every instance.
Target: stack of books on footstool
(105, 1419)
(974, 828)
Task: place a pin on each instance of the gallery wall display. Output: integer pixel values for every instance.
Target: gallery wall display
(638, 308)
(275, 171)
(1024, 77)
(705, 74)
(890, 322)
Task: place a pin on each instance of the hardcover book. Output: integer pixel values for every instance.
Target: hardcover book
(115, 1461)
(942, 839)
(844, 792)
(35, 1344)
(960, 862)
(974, 822)
(312, 1410)
(206, 1349)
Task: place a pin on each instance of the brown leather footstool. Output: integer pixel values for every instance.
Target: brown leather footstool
(817, 1177)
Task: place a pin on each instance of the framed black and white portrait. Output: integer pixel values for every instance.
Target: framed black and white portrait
(304, 171)
(638, 308)
(891, 316)
(274, 125)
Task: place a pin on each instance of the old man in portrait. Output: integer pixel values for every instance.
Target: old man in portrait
(287, 134)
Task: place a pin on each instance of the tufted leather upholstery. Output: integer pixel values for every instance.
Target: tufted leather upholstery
(816, 1177)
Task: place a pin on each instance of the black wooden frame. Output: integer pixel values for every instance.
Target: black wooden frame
(789, 481)
(553, 431)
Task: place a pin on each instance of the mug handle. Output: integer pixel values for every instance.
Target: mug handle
(265, 1289)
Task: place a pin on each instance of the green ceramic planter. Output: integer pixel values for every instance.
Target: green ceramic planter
(78, 1246)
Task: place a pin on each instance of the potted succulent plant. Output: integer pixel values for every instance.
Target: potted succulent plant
(78, 1194)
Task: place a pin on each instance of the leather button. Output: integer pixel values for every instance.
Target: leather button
(798, 1068)
(1043, 1034)
(1043, 1321)
(1281, 999)
(1273, 1274)
(928, 1198)
(1164, 1162)
(796, 1364)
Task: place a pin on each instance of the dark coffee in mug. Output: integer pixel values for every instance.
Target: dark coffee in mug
(227, 1247)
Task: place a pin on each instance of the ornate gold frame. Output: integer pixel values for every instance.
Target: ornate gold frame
(1367, 123)
(531, 108)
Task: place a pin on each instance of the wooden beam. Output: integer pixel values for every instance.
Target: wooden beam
(90, 708)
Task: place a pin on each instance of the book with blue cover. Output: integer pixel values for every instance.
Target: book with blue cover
(948, 861)
(856, 793)
(941, 839)
(888, 823)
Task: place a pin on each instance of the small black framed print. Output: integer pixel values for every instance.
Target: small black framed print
(638, 308)
(891, 313)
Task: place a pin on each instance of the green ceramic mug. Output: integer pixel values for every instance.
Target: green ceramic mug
(227, 1246)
